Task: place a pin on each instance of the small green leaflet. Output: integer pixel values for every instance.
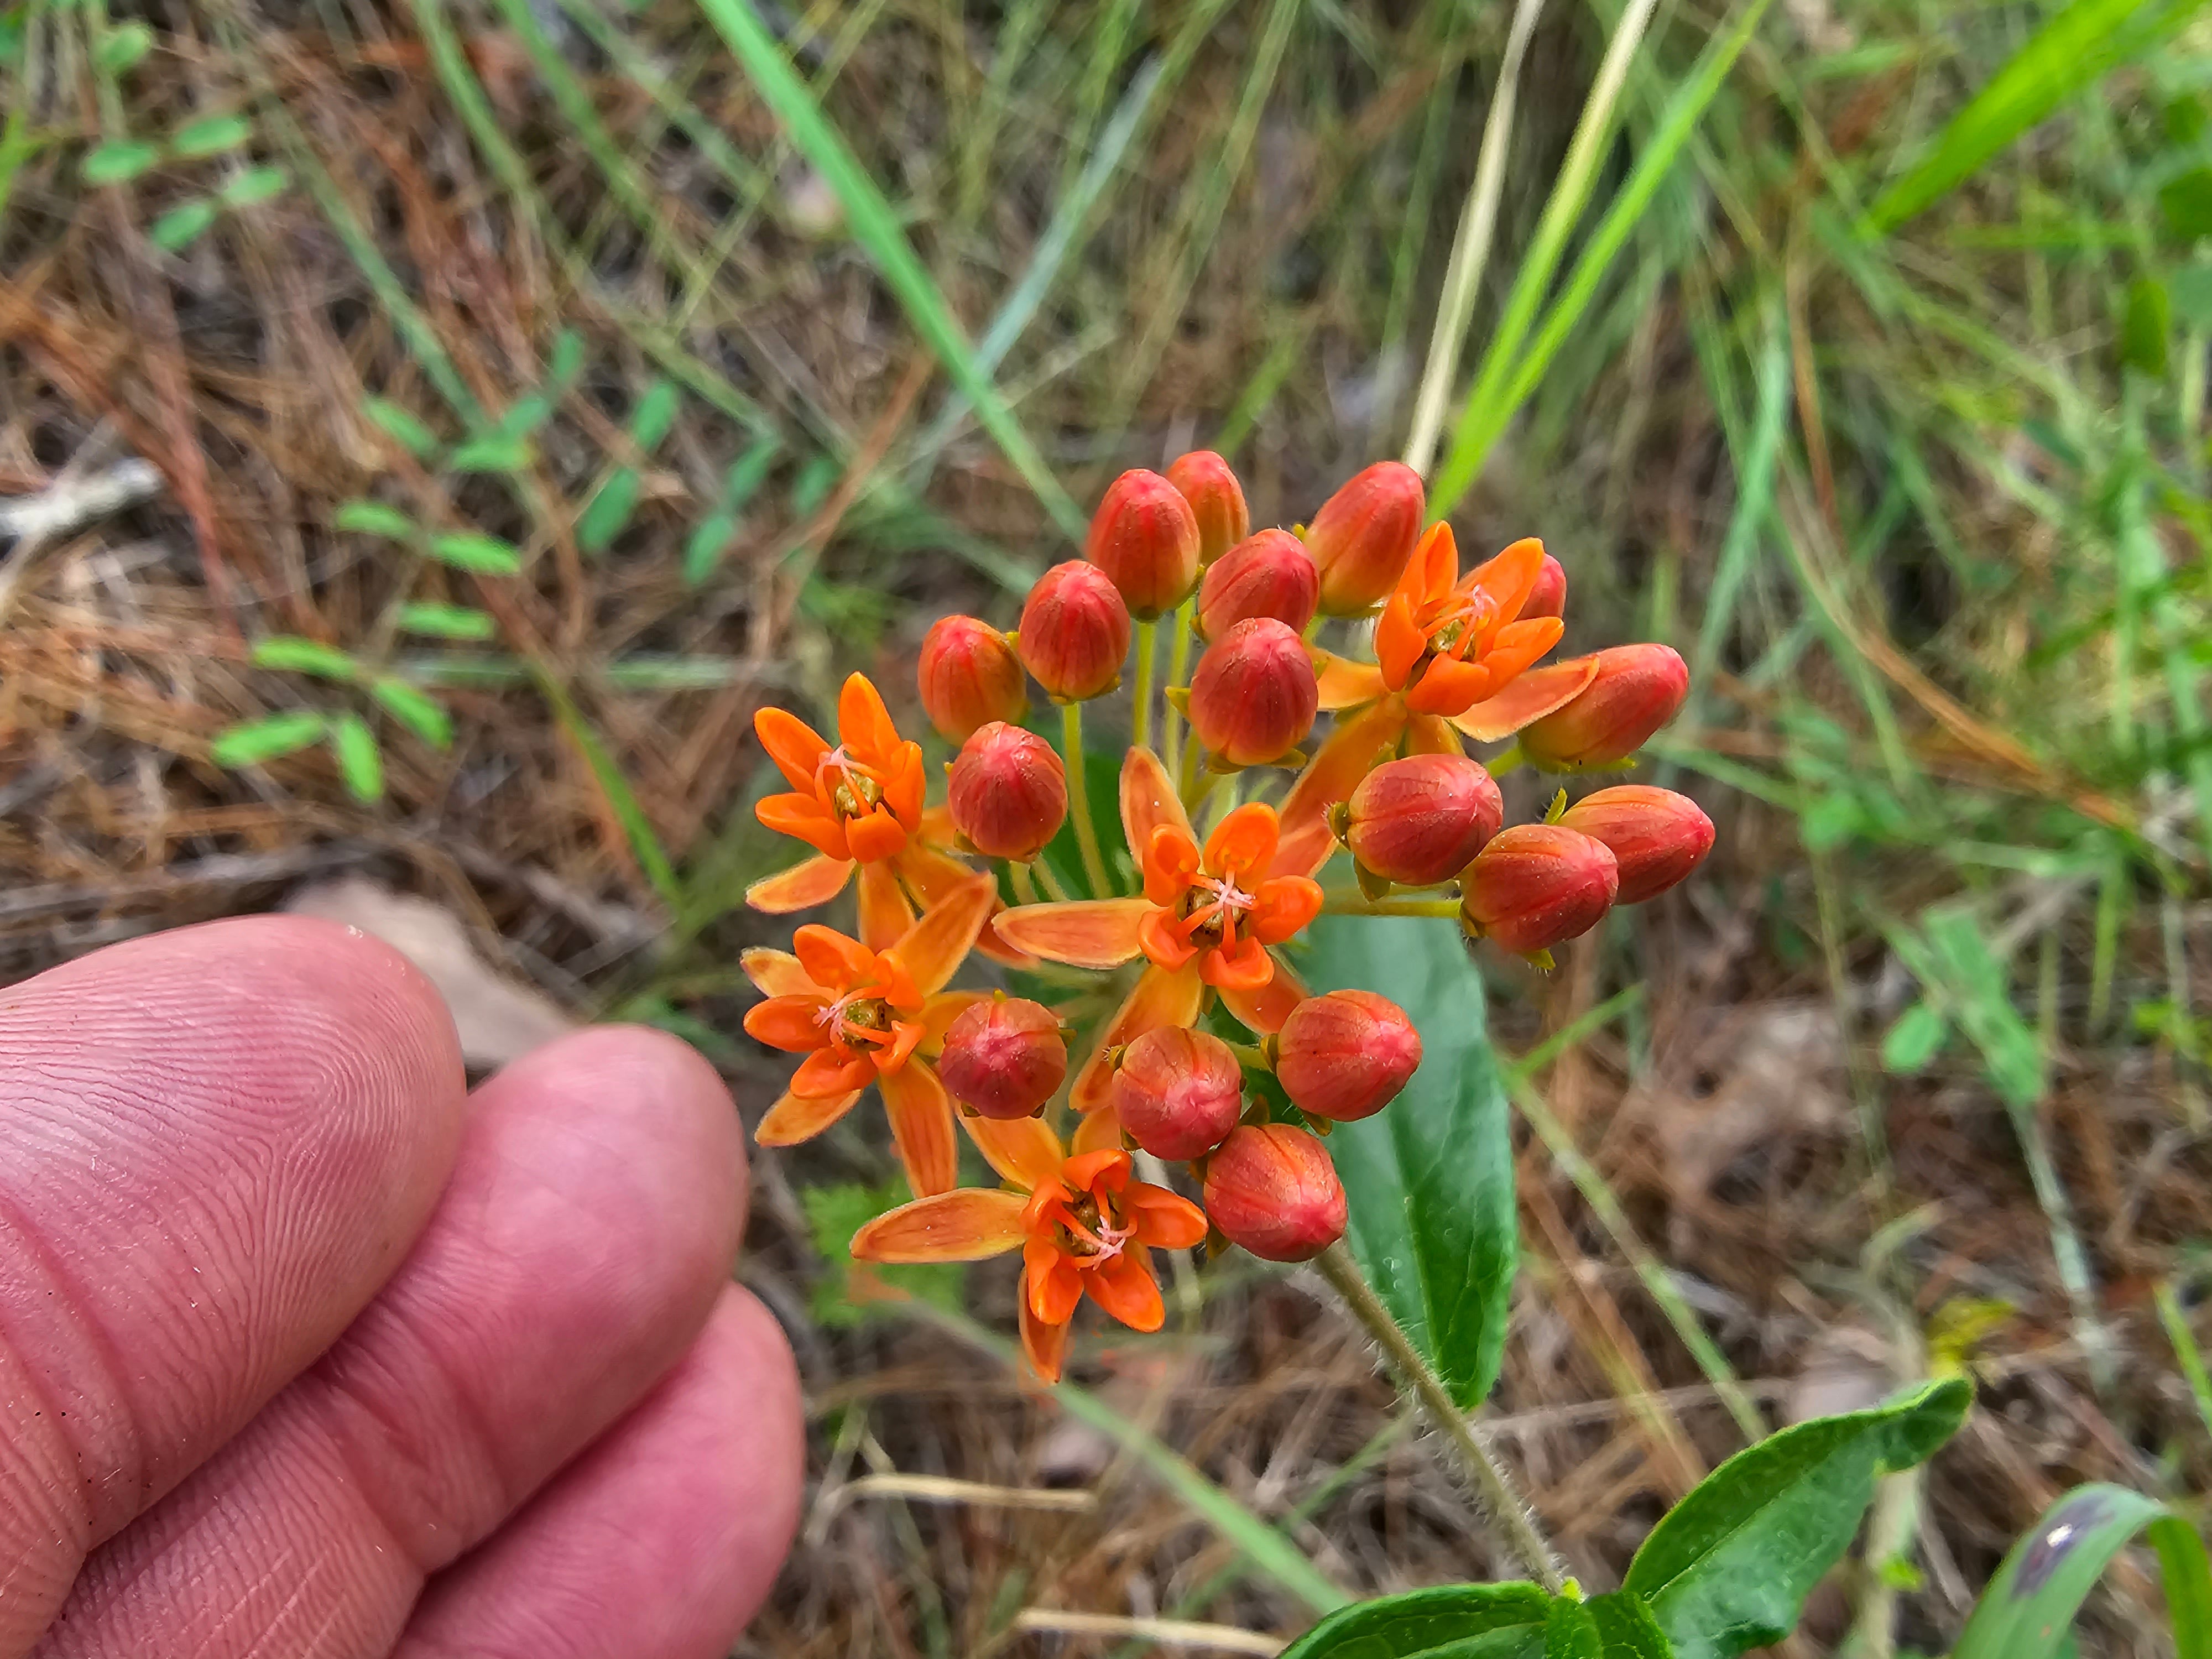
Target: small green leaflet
(1917, 1038)
(703, 550)
(447, 621)
(401, 427)
(123, 47)
(420, 714)
(118, 163)
(255, 186)
(603, 519)
(492, 451)
(1453, 1621)
(183, 225)
(210, 137)
(375, 518)
(299, 656)
(486, 555)
(358, 762)
(251, 742)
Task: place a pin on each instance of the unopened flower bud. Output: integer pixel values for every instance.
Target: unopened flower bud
(1074, 632)
(1177, 1092)
(1254, 697)
(1345, 1055)
(1363, 536)
(1271, 574)
(1272, 1189)
(1421, 820)
(1009, 792)
(1548, 597)
(1537, 885)
(969, 676)
(1655, 836)
(1216, 499)
(1004, 1057)
(1636, 691)
(1145, 537)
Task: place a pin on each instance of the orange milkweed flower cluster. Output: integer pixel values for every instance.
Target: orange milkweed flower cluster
(1211, 1029)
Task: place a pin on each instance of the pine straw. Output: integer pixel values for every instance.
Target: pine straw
(240, 370)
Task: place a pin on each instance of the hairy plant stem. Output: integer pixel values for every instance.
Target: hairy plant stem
(1186, 619)
(1140, 721)
(1079, 801)
(1509, 1510)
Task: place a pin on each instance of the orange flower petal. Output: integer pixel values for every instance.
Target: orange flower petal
(1243, 843)
(921, 1127)
(806, 818)
(1106, 1165)
(801, 1117)
(1518, 644)
(1160, 998)
(832, 961)
(1531, 696)
(1149, 800)
(1095, 1134)
(1045, 1345)
(1287, 904)
(864, 724)
(1125, 1287)
(1082, 932)
(971, 1225)
(1446, 686)
(787, 1022)
(775, 972)
(876, 835)
(994, 945)
(1345, 681)
(795, 747)
(1170, 859)
(884, 914)
(936, 945)
(1399, 643)
(906, 1037)
(1162, 1217)
(805, 885)
(904, 784)
(1245, 967)
(828, 1072)
(1431, 734)
(932, 875)
(1164, 946)
(1023, 1150)
(1051, 1284)
(1334, 771)
(1435, 564)
(1511, 577)
(1264, 1010)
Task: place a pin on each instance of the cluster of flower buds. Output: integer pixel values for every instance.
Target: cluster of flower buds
(1214, 1056)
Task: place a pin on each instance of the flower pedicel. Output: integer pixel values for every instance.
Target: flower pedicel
(1187, 930)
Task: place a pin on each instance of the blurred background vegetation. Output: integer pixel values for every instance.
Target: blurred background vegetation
(428, 428)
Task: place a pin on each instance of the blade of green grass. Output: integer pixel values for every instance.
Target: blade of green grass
(644, 841)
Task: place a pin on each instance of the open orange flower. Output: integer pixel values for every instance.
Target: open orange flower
(856, 802)
(1083, 1224)
(864, 1015)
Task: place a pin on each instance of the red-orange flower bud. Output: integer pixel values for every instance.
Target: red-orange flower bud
(1345, 1055)
(1074, 632)
(1272, 575)
(1254, 697)
(1216, 499)
(1004, 1057)
(1536, 885)
(1638, 690)
(1177, 1092)
(1421, 820)
(969, 676)
(1009, 792)
(1655, 836)
(1145, 536)
(1272, 1189)
(1548, 597)
(1363, 536)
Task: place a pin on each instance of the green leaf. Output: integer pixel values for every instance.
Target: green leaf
(1453, 1621)
(607, 512)
(422, 714)
(2068, 54)
(1917, 1038)
(702, 550)
(123, 47)
(2185, 202)
(524, 417)
(2188, 1575)
(210, 137)
(567, 360)
(1973, 984)
(875, 224)
(251, 742)
(183, 225)
(1430, 1180)
(746, 475)
(409, 433)
(299, 656)
(654, 414)
(447, 621)
(1727, 1569)
(2145, 323)
(2191, 290)
(644, 840)
(2029, 1608)
(488, 555)
(490, 452)
(255, 186)
(374, 519)
(1570, 1632)
(119, 161)
(1628, 1628)
(360, 764)
(852, 1292)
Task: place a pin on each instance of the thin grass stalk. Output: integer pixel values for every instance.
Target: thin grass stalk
(1078, 800)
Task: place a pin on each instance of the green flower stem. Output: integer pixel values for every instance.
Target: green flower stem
(1351, 901)
(1509, 1510)
(1079, 801)
(1024, 882)
(1186, 623)
(1055, 889)
(1141, 722)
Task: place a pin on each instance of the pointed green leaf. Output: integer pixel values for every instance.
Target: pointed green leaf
(360, 764)
(746, 475)
(2028, 1609)
(255, 186)
(654, 414)
(1918, 1036)
(702, 550)
(1728, 1568)
(183, 225)
(2146, 324)
(210, 137)
(118, 163)
(401, 427)
(251, 742)
(567, 360)
(1430, 1180)
(123, 47)
(422, 714)
(374, 519)
(2185, 202)
(492, 451)
(290, 652)
(608, 512)
(488, 555)
(524, 417)
(1453, 1621)
(447, 621)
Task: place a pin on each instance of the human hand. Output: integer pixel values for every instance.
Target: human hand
(304, 1353)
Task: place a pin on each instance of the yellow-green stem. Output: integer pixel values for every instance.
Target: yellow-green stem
(1079, 801)
(1141, 722)
(1351, 901)
(1024, 884)
(1186, 620)
(1055, 889)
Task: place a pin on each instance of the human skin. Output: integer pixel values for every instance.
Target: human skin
(307, 1353)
